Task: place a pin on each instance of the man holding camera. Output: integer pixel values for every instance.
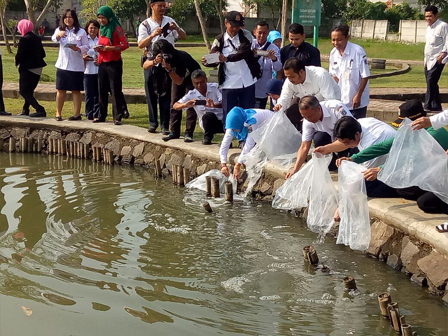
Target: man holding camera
(157, 81)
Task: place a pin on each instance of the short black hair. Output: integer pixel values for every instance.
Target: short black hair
(432, 9)
(198, 73)
(294, 64)
(308, 102)
(94, 22)
(346, 128)
(262, 24)
(343, 29)
(162, 46)
(296, 28)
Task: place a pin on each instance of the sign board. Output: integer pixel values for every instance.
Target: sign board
(307, 12)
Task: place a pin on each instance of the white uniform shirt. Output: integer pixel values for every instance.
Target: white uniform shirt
(373, 132)
(91, 68)
(213, 93)
(267, 67)
(261, 116)
(69, 59)
(144, 33)
(436, 42)
(350, 68)
(318, 83)
(332, 110)
(237, 74)
(439, 120)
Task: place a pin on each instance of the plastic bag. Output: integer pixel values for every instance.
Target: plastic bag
(416, 159)
(294, 193)
(354, 229)
(201, 184)
(256, 159)
(277, 137)
(323, 196)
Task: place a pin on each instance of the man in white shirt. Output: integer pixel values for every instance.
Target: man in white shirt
(349, 67)
(206, 99)
(156, 27)
(238, 68)
(268, 63)
(435, 51)
(306, 81)
(2, 103)
(318, 125)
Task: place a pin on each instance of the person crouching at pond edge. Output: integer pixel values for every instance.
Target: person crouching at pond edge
(111, 43)
(30, 59)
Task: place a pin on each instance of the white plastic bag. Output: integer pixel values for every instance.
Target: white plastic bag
(294, 193)
(323, 196)
(354, 229)
(201, 184)
(416, 159)
(256, 159)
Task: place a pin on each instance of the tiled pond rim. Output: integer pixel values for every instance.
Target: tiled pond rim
(402, 235)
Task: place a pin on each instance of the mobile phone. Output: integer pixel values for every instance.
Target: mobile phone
(165, 30)
(200, 102)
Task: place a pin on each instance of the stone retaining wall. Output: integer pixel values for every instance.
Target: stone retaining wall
(399, 249)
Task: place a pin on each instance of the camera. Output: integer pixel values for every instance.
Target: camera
(167, 58)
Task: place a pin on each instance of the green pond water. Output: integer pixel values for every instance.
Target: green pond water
(87, 249)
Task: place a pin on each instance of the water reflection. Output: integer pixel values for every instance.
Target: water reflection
(113, 250)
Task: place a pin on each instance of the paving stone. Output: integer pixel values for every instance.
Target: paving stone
(435, 266)
(114, 146)
(162, 161)
(266, 189)
(72, 137)
(86, 138)
(187, 162)
(4, 133)
(174, 160)
(408, 252)
(126, 151)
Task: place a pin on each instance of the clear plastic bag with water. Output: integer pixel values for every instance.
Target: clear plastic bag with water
(354, 229)
(416, 159)
(323, 196)
(201, 184)
(256, 159)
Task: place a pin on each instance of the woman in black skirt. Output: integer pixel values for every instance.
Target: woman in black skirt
(73, 43)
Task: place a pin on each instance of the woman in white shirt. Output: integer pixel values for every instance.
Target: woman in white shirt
(91, 71)
(73, 43)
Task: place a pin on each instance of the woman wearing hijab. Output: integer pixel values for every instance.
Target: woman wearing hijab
(30, 60)
(73, 43)
(239, 124)
(111, 43)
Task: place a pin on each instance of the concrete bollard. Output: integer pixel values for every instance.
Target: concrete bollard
(383, 300)
(215, 188)
(207, 207)
(158, 169)
(186, 173)
(179, 175)
(350, 283)
(12, 144)
(310, 254)
(229, 192)
(208, 186)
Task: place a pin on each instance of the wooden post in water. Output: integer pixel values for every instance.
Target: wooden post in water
(29, 146)
(310, 254)
(23, 144)
(394, 316)
(12, 144)
(383, 300)
(55, 146)
(180, 175)
(34, 147)
(39, 145)
(72, 149)
(50, 146)
(208, 186)
(174, 173)
(406, 329)
(229, 192)
(62, 147)
(215, 188)
(349, 282)
(207, 207)
(186, 175)
(158, 168)
(86, 151)
(110, 156)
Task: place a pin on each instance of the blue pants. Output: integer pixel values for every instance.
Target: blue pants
(244, 98)
(91, 96)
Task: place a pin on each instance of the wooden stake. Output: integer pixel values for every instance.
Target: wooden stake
(55, 146)
(406, 330)
(39, 145)
(384, 300)
(62, 147)
(207, 207)
(229, 192)
(86, 151)
(394, 312)
(180, 175)
(23, 144)
(35, 147)
(208, 186)
(12, 144)
(72, 149)
(174, 173)
(110, 156)
(310, 254)
(395, 320)
(29, 147)
(158, 169)
(350, 283)
(215, 188)
(50, 146)
(186, 175)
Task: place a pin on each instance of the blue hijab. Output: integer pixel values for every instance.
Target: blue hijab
(274, 35)
(235, 120)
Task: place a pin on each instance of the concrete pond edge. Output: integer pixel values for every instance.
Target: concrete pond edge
(402, 236)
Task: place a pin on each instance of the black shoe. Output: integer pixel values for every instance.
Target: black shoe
(152, 129)
(24, 113)
(58, 118)
(4, 113)
(38, 115)
(117, 122)
(188, 138)
(206, 142)
(170, 136)
(126, 114)
(165, 131)
(75, 118)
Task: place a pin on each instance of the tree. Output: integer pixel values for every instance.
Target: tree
(202, 23)
(34, 5)
(3, 4)
(440, 4)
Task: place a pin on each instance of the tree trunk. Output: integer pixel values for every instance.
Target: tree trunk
(30, 12)
(5, 37)
(202, 23)
(13, 33)
(148, 8)
(284, 18)
(44, 12)
(218, 6)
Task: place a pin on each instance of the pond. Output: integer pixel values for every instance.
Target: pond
(87, 249)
